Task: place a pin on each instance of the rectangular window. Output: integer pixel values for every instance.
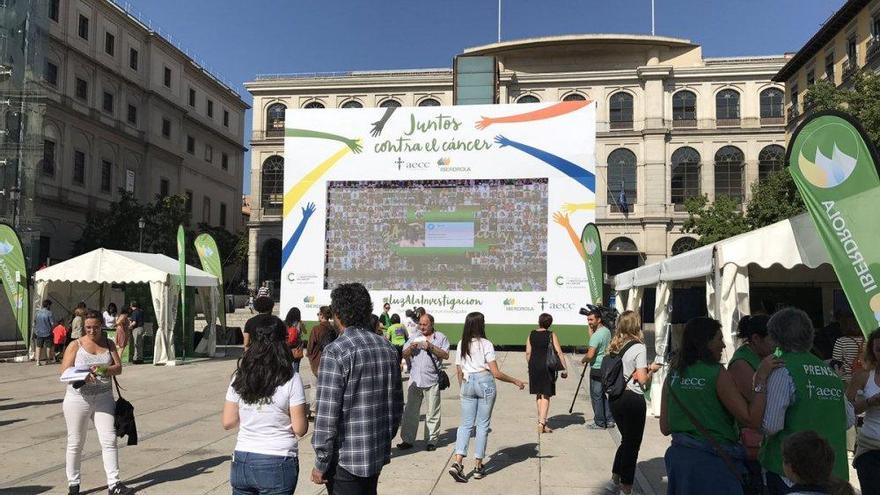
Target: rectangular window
(79, 167)
(191, 145)
(192, 97)
(82, 89)
(210, 109)
(206, 210)
(110, 44)
(132, 115)
(851, 51)
(106, 176)
(167, 78)
(83, 27)
(209, 153)
(48, 157)
(133, 58)
(224, 161)
(108, 102)
(163, 188)
(54, 8)
(51, 75)
(226, 118)
(794, 98)
(829, 66)
(811, 77)
(129, 180)
(223, 215)
(166, 128)
(875, 27)
(188, 204)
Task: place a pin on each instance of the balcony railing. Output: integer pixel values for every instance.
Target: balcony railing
(267, 134)
(793, 114)
(684, 123)
(873, 47)
(849, 68)
(621, 125)
(727, 122)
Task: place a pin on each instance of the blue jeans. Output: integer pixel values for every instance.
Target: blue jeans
(601, 405)
(693, 466)
(477, 399)
(261, 474)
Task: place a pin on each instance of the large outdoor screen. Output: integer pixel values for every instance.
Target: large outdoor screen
(438, 235)
(457, 209)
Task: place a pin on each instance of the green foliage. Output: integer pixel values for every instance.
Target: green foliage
(774, 199)
(861, 98)
(714, 221)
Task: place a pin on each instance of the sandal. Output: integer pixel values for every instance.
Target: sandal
(543, 428)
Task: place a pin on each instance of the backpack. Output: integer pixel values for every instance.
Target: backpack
(613, 381)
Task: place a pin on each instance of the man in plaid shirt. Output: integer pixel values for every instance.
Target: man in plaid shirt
(359, 399)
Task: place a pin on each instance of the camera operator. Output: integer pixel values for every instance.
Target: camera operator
(599, 338)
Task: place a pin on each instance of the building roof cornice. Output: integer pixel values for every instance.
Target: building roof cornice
(577, 39)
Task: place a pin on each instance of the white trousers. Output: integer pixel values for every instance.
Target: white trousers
(78, 410)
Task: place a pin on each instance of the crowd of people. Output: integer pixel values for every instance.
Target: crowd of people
(774, 420)
(508, 251)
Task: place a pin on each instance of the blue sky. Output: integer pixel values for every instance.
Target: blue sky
(238, 40)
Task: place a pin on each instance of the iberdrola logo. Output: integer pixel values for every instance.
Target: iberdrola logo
(445, 161)
(836, 153)
(510, 301)
(309, 299)
(591, 247)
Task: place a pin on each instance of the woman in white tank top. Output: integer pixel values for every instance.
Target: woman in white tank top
(864, 392)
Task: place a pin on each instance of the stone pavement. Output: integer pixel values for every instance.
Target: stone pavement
(184, 450)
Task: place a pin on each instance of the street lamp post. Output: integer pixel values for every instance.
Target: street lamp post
(141, 223)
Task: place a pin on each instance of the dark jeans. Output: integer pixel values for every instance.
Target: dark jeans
(260, 474)
(868, 468)
(629, 411)
(601, 405)
(341, 482)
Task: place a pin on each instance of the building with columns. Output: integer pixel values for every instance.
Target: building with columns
(672, 124)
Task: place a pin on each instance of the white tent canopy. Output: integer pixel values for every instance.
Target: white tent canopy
(724, 266)
(106, 266)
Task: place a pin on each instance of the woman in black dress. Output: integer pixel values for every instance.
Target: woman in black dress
(542, 381)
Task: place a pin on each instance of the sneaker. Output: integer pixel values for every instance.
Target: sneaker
(404, 446)
(611, 426)
(431, 447)
(120, 489)
(73, 490)
(595, 426)
(479, 472)
(457, 472)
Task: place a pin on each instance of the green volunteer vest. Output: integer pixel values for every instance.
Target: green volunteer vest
(697, 390)
(746, 354)
(818, 406)
(395, 339)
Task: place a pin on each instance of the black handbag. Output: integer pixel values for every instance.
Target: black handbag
(123, 418)
(554, 364)
(442, 377)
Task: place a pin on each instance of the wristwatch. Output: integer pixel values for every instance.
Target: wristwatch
(759, 388)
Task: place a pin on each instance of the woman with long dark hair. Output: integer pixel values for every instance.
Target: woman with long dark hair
(864, 392)
(477, 370)
(295, 330)
(266, 401)
(700, 408)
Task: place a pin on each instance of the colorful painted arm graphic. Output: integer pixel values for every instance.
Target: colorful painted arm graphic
(573, 207)
(563, 220)
(292, 197)
(584, 177)
(353, 144)
(561, 108)
(294, 239)
(380, 124)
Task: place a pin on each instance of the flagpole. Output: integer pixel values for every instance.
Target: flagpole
(652, 17)
(499, 21)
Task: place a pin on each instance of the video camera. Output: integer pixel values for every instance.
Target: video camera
(413, 314)
(606, 314)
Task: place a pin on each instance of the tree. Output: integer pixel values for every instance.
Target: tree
(714, 221)
(860, 99)
(774, 198)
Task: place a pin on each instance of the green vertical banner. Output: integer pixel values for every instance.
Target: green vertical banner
(181, 256)
(13, 271)
(209, 256)
(835, 169)
(592, 244)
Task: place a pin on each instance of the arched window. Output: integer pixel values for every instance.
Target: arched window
(772, 108)
(528, 99)
(275, 120)
(622, 245)
(622, 180)
(352, 104)
(685, 176)
(574, 97)
(683, 245)
(272, 185)
(770, 159)
(314, 104)
(727, 108)
(729, 173)
(684, 109)
(620, 111)
(389, 103)
(429, 102)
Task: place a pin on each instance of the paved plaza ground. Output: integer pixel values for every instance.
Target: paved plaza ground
(184, 450)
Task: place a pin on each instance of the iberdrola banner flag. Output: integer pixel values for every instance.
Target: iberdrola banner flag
(592, 245)
(835, 169)
(181, 257)
(209, 255)
(14, 275)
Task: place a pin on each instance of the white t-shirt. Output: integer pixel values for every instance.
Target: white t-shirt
(481, 353)
(264, 427)
(634, 358)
